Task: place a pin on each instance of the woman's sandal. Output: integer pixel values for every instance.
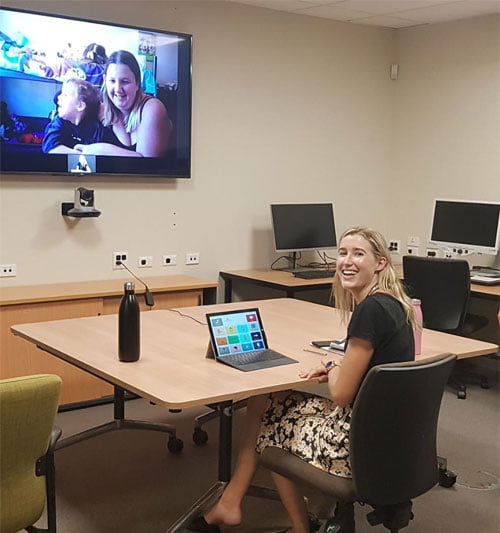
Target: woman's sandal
(314, 525)
(200, 525)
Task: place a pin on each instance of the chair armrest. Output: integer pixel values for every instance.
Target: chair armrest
(54, 437)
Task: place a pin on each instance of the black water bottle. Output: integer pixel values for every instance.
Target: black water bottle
(129, 327)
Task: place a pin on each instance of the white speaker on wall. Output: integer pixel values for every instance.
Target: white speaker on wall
(394, 71)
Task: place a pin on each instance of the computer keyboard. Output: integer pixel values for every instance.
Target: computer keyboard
(482, 279)
(314, 274)
(254, 357)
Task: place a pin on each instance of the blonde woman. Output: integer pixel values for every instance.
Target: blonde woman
(315, 428)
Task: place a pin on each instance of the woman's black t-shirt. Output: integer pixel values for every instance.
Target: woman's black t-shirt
(381, 319)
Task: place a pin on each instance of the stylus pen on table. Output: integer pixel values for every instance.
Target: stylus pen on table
(338, 352)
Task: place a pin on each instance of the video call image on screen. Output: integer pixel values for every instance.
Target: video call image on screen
(50, 64)
(237, 333)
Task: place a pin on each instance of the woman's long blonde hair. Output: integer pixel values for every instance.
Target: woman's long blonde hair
(387, 279)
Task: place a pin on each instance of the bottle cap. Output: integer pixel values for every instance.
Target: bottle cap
(129, 286)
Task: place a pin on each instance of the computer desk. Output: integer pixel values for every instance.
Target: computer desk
(173, 371)
(287, 283)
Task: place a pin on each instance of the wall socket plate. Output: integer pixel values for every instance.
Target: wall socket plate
(192, 258)
(8, 271)
(413, 241)
(395, 246)
(117, 257)
(432, 252)
(145, 261)
(169, 260)
(412, 250)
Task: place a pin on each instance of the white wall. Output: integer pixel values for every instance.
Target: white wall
(285, 108)
(447, 120)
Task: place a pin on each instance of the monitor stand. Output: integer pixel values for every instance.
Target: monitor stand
(294, 267)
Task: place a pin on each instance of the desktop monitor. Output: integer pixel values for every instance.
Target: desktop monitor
(466, 227)
(300, 227)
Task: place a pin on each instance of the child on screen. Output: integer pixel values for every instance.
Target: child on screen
(77, 121)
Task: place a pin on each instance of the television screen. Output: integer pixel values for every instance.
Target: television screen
(79, 96)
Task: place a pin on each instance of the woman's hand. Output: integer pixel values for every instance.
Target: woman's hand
(104, 149)
(318, 373)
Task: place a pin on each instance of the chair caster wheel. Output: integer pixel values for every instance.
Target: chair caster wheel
(175, 445)
(462, 394)
(200, 436)
(330, 527)
(484, 383)
(447, 478)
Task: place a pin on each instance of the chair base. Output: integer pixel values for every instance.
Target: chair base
(342, 521)
(393, 517)
(462, 376)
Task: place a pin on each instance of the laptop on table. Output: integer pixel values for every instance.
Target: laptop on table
(238, 339)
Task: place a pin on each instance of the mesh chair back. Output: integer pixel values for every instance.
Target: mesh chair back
(28, 408)
(393, 430)
(442, 285)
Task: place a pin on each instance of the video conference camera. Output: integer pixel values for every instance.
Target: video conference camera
(83, 205)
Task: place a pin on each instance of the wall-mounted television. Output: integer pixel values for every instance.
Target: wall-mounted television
(90, 97)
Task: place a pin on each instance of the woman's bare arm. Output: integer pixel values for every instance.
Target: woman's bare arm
(153, 132)
(344, 381)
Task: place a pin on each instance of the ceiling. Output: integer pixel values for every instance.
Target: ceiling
(384, 13)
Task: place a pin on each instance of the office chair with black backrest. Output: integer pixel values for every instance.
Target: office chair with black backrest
(392, 446)
(28, 406)
(443, 287)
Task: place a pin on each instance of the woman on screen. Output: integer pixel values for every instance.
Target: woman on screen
(139, 121)
(313, 427)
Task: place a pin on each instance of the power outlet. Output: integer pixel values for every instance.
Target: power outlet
(118, 258)
(8, 271)
(394, 246)
(145, 261)
(412, 250)
(192, 258)
(169, 260)
(413, 241)
(431, 252)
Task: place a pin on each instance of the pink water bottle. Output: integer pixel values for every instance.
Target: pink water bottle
(417, 333)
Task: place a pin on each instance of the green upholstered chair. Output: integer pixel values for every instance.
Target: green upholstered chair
(28, 406)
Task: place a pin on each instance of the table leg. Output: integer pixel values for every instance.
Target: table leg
(225, 411)
(120, 422)
(209, 296)
(225, 440)
(228, 289)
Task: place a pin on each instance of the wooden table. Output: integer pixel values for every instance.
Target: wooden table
(79, 299)
(174, 372)
(290, 285)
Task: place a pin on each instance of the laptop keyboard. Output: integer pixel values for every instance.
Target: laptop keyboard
(314, 274)
(253, 357)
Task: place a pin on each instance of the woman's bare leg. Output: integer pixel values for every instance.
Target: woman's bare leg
(294, 503)
(228, 509)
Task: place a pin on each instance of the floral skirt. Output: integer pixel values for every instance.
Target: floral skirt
(309, 426)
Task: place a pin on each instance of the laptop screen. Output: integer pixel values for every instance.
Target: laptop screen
(234, 332)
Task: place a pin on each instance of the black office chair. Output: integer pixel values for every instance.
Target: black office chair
(443, 287)
(392, 446)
